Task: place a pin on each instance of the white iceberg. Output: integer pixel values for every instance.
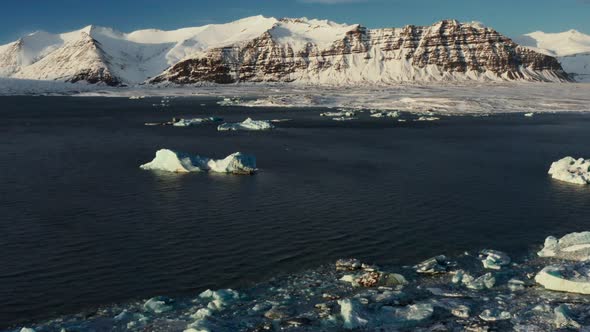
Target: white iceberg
(247, 124)
(573, 246)
(529, 115)
(571, 170)
(171, 161)
(565, 278)
(344, 118)
(195, 121)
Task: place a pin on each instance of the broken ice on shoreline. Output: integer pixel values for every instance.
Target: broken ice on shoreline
(175, 162)
(195, 121)
(248, 124)
(440, 294)
(571, 170)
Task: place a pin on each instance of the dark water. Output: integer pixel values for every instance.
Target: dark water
(82, 226)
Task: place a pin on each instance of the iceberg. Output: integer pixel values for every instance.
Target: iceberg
(571, 170)
(529, 115)
(247, 124)
(195, 121)
(565, 278)
(573, 246)
(344, 118)
(219, 299)
(171, 161)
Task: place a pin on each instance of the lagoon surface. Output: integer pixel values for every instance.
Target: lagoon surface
(81, 226)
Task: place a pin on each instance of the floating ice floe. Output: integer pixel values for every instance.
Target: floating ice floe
(171, 161)
(195, 121)
(158, 304)
(379, 114)
(574, 278)
(427, 118)
(434, 265)
(494, 259)
(247, 124)
(219, 299)
(529, 115)
(27, 329)
(571, 170)
(136, 97)
(573, 246)
(230, 101)
(344, 119)
(339, 114)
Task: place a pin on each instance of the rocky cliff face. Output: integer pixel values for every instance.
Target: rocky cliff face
(447, 50)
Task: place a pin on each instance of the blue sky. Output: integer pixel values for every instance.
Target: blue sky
(512, 17)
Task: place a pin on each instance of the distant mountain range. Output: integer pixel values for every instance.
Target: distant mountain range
(260, 49)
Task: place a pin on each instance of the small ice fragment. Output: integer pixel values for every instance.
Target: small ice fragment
(461, 311)
(529, 115)
(350, 315)
(414, 313)
(348, 264)
(219, 299)
(247, 125)
(195, 121)
(27, 329)
(515, 285)
(494, 315)
(158, 304)
(435, 265)
(344, 119)
(563, 319)
(485, 281)
(339, 114)
(568, 169)
(494, 259)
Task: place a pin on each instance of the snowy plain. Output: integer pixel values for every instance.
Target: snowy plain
(437, 98)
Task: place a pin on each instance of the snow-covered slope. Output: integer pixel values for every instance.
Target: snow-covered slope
(572, 48)
(323, 52)
(126, 57)
(260, 49)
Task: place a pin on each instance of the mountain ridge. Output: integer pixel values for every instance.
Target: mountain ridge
(261, 49)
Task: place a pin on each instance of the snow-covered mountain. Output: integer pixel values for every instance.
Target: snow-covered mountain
(260, 49)
(572, 49)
